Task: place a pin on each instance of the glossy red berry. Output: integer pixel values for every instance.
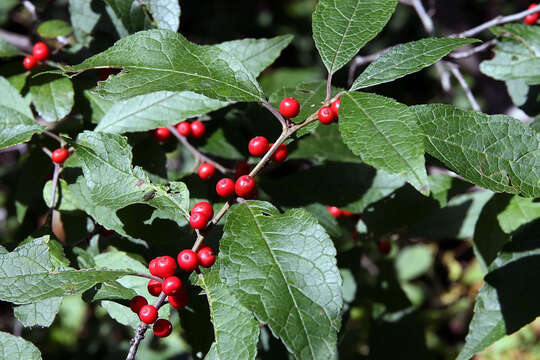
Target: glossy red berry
(188, 260)
(164, 267)
(206, 171)
(171, 285)
(197, 129)
(225, 187)
(162, 134)
(533, 18)
(258, 146)
(347, 213)
(206, 256)
(335, 106)
(280, 154)
(384, 247)
(289, 107)
(326, 115)
(203, 207)
(244, 185)
(184, 128)
(334, 211)
(136, 303)
(29, 62)
(242, 168)
(179, 300)
(154, 287)
(148, 314)
(40, 51)
(198, 221)
(162, 328)
(59, 155)
(152, 266)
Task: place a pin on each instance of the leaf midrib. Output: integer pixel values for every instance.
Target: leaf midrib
(343, 37)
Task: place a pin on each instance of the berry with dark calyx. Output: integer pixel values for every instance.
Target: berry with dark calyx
(179, 300)
(206, 256)
(197, 129)
(225, 187)
(384, 247)
(40, 51)
(206, 171)
(242, 168)
(184, 128)
(289, 107)
(280, 154)
(244, 185)
(162, 328)
(335, 106)
(162, 134)
(533, 18)
(59, 155)
(136, 303)
(148, 314)
(198, 221)
(326, 115)
(335, 211)
(203, 207)
(258, 146)
(188, 260)
(154, 287)
(29, 62)
(171, 285)
(165, 267)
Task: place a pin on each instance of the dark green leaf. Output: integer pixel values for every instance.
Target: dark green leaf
(52, 96)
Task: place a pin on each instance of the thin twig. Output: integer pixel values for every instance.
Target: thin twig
(276, 113)
(457, 74)
(474, 50)
(328, 87)
(55, 137)
(57, 168)
(198, 155)
(148, 276)
(427, 22)
(21, 42)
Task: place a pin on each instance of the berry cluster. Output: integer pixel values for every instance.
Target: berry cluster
(533, 18)
(196, 129)
(337, 212)
(40, 52)
(164, 267)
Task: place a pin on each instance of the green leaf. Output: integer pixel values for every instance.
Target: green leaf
(83, 19)
(54, 28)
(282, 267)
(342, 28)
(165, 13)
(217, 143)
(63, 198)
(159, 109)
(7, 50)
(5, 8)
(40, 313)
(278, 78)
(53, 97)
(17, 123)
(496, 152)
(518, 91)
(161, 60)
(413, 261)
(383, 185)
(257, 54)
(133, 14)
(98, 106)
(498, 310)
(29, 274)
(16, 348)
(236, 331)
(385, 135)
(407, 59)
(519, 211)
(517, 54)
(440, 184)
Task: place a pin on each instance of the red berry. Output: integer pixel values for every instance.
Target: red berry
(165, 267)
(154, 287)
(184, 128)
(171, 285)
(335, 106)
(198, 221)
(280, 154)
(258, 146)
(206, 171)
(384, 247)
(533, 18)
(244, 185)
(29, 62)
(334, 211)
(225, 187)
(137, 303)
(242, 168)
(148, 314)
(179, 300)
(206, 256)
(203, 207)
(59, 155)
(152, 266)
(326, 115)
(40, 51)
(347, 213)
(188, 260)
(162, 134)
(197, 129)
(162, 328)
(289, 107)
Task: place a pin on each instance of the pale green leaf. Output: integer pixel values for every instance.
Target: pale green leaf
(383, 185)
(7, 50)
(53, 97)
(41, 313)
(16, 348)
(83, 19)
(98, 106)
(413, 261)
(519, 211)
(342, 27)
(63, 197)
(53, 28)
(165, 13)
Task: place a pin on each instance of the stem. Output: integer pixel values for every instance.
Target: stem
(54, 185)
(328, 87)
(474, 50)
(55, 137)
(276, 113)
(148, 276)
(457, 74)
